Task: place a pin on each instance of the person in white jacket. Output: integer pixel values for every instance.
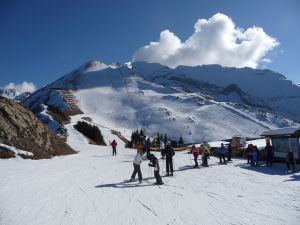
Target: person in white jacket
(139, 157)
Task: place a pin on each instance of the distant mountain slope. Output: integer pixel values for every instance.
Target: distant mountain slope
(13, 94)
(21, 129)
(200, 103)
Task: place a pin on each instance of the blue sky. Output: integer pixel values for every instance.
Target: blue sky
(41, 40)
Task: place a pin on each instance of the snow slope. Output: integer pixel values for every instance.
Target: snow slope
(87, 188)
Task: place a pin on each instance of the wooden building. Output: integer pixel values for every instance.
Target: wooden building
(284, 140)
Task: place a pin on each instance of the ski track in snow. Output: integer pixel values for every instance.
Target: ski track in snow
(87, 188)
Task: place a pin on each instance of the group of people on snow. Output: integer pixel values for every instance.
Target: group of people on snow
(205, 151)
(167, 152)
(143, 153)
(253, 155)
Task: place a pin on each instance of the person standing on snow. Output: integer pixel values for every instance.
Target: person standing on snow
(195, 152)
(205, 153)
(290, 162)
(255, 156)
(222, 153)
(162, 149)
(270, 152)
(147, 145)
(229, 149)
(249, 151)
(139, 157)
(154, 163)
(114, 147)
(170, 152)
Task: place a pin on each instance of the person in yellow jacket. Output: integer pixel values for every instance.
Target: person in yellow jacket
(206, 151)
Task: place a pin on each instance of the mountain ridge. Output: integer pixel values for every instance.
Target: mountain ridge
(131, 96)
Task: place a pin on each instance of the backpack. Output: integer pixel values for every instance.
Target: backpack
(170, 151)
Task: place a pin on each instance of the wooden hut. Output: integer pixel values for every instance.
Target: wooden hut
(284, 140)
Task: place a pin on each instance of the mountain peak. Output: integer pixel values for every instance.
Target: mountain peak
(94, 65)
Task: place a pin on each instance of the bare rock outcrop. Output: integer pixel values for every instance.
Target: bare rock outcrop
(20, 128)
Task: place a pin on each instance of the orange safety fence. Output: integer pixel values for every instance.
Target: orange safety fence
(176, 149)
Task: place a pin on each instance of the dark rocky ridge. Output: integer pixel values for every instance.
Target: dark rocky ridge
(20, 128)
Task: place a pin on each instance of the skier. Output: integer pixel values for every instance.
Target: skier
(205, 153)
(162, 149)
(154, 163)
(147, 145)
(222, 153)
(270, 151)
(255, 156)
(170, 152)
(249, 153)
(138, 146)
(114, 147)
(290, 162)
(229, 149)
(139, 157)
(195, 152)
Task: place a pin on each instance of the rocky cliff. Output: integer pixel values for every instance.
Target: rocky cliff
(20, 128)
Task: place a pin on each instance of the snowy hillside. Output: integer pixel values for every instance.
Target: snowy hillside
(194, 102)
(88, 188)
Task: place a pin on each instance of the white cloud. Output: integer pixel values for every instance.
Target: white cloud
(23, 87)
(266, 60)
(214, 41)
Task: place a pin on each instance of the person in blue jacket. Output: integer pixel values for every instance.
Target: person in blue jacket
(222, 154)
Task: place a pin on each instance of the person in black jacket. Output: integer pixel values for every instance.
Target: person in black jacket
(270, 152)
(154, 163)
(147, 145)
(170, 152)
(229, 150)
(290, 162)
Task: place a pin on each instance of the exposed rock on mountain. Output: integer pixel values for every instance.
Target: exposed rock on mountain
(21, 129)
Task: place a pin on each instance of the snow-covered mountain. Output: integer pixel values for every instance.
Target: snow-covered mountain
(8, 93)
(13, 94)
(199, 103)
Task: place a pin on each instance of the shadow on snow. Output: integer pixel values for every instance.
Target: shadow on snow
(276, 169)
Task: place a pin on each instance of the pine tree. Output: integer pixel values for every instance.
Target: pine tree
(142, 133)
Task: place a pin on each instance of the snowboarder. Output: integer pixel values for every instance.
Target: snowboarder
(229, 149)
(249, 153)
(222, 153)
(154, 163)
(290, 162)
(139, 157)
(195, 152)
(170, 152)
(114, 147)
(205, 153)
(270, 152)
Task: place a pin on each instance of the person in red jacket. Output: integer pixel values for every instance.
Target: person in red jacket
(195, 152)
(249, 153)
(114, 147)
